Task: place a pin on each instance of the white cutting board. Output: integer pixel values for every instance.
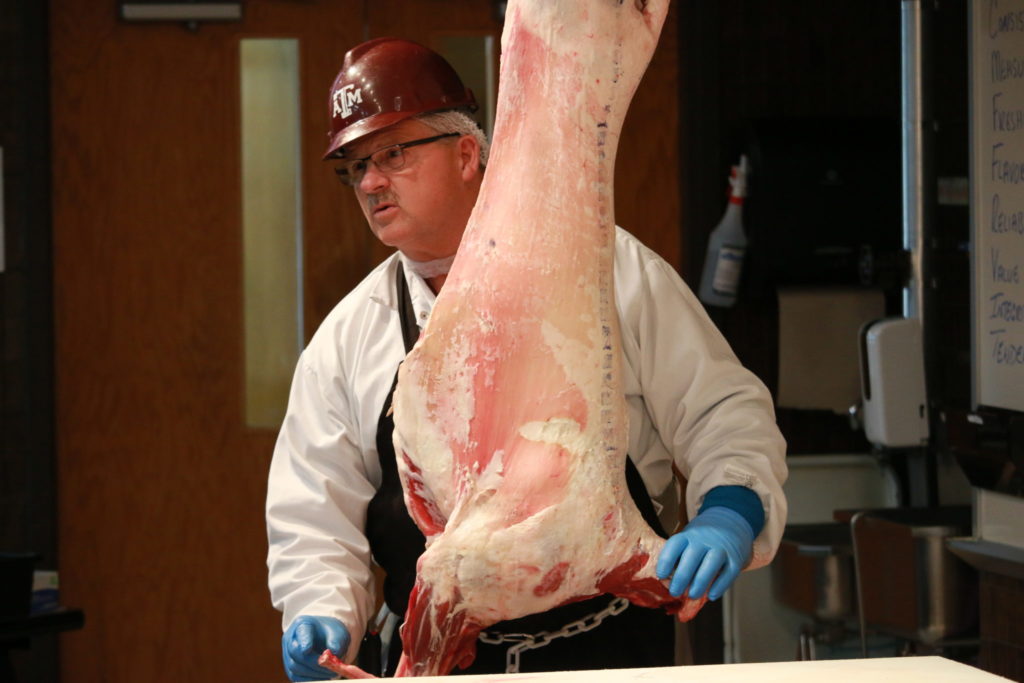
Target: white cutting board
(902, 669)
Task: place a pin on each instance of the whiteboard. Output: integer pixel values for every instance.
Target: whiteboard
(997, 201)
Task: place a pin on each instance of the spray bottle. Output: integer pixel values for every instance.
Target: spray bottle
(727, 245)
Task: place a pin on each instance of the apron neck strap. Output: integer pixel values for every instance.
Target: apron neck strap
(406, 313)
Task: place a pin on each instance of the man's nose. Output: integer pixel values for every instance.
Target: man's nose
(373, 180)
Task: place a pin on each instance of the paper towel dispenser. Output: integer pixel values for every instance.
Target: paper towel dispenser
(894, 409)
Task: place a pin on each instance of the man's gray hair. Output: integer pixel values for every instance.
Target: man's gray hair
(455, 121)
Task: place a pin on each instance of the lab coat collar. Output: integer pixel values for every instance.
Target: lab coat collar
(383, 289)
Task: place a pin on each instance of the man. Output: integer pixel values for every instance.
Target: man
(403, 141)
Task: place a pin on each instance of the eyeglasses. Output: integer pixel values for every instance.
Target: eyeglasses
(390, 158)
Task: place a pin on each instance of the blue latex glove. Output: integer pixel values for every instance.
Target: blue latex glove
(304, 642)
(717, 542)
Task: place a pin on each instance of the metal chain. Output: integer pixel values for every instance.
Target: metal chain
(532, 641)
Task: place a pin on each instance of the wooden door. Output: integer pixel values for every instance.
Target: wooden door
(161, 483)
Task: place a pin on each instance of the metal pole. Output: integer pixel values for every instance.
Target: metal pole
(858, 584)
(919, 198)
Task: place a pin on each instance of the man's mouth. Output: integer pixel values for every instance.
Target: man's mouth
(380, 208)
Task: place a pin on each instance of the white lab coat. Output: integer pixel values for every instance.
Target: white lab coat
(690, 403)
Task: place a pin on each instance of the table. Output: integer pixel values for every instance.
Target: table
(902, 669)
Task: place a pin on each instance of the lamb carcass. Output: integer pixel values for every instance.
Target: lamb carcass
(510, 421)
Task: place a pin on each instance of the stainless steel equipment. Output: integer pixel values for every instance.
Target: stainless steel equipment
(910, 584)
(813, 572)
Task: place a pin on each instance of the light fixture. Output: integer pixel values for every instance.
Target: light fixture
(187, 11)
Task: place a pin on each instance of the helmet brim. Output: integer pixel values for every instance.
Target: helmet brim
(361, 129)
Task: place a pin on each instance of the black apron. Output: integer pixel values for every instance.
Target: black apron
(638, 637)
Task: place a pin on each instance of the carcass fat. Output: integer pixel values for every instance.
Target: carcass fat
(510, 423)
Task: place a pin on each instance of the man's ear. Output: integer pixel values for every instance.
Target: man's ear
(469, 156)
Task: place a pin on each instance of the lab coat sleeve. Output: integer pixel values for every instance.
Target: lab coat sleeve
(715, 416)
(318, 490)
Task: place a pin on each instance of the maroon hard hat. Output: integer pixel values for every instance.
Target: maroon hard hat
(386, 80)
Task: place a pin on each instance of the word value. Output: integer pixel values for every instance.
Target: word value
(1002, 272)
